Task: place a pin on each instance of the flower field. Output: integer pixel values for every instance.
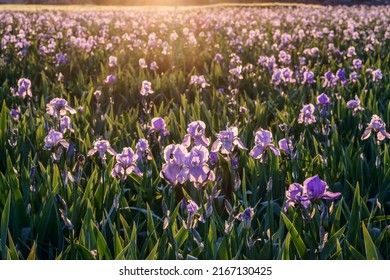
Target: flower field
(195, 133)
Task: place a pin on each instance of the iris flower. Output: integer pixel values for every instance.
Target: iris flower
(378, 126)
(103, 147)
(263, 141)
(226, 141)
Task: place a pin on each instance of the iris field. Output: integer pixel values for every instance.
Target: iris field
(195, 133)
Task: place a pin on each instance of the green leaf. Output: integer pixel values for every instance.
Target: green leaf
(3, 119)
(13, 253)
(354, 219)
(84, 252)
(223, 249)
(181, 236)
(150, 224)
(33, 252)
(295, 237)
(371, 250)
(332, 242)
(337, 218)
(102, 248)
(355, 253)
(4, 226)
(339, 252)
(211, 238)
(285, 251)
(117, 244)
(153, 253)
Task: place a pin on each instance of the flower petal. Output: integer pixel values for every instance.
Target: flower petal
(366, 134)
(275, 150)
(216, 146)
(91, 152)
(256, 152)
(239, 144)
(331, 195)
(186, 140)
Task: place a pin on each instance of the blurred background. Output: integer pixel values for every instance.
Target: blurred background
(188, 2)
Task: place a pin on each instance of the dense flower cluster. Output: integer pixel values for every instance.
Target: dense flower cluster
(213, 86)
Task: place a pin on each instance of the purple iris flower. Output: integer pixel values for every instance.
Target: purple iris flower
(292, 194)
(146, 88)
(199, 80)
(143, 150)
(158, 125)
(195, 167)
(142, 63)
(284, 57)
(377, 75)
(24, 88)
(323, 100)
(354, 104)
(192, 207)
(263, 140)
(15, 114)
(263, 60)
(378, 126)
(236, 72)
(354, 77)
(330, 80)
(306, 115)
(196, 132)
(101, 146)
(276, 76)
(153, 66)
(218, 58)
(112, 61)
(341, 76)
(65, 124)
(174, 156)
(351, 52)
(246, 217)
(110, 79)
(54, 139)
(61, 59)
(287, 75)
(126, 163)
(226, 141)
(308, 77)
(357, 64)
(315, 189)
(58, 107)
(286, 146)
